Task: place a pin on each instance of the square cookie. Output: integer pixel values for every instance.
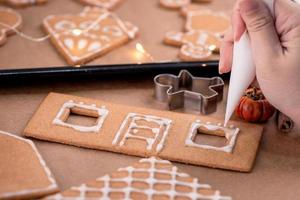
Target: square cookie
(83, 37)
(150, 178)
(144, 132)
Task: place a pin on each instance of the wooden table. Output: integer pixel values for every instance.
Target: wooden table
(276, 174)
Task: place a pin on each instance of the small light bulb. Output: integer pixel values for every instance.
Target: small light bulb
(140, 48)
(77, 32)
(212, 47)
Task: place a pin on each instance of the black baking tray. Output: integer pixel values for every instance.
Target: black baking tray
(205, 69)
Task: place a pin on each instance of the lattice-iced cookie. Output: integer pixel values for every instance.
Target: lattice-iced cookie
(145, 132)
(107, 4)
(22, 3)
(207, 20)
(150, 178)
(23, 172)
(8, 19)
(195, 45)
(90, 34)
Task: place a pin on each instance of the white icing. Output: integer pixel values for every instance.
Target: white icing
(132, 118)
(151, 181)
(131, 33)
(102, 114)
(202, 38)
(108, 4)
(230, 134)
(94, 46)
(64, 25)
(69, 43)
(86, 24)
(23, 1)
(175, 36)
(175, 3)
(114, 30)
(196, 52)
(82, 44)
(52, 186)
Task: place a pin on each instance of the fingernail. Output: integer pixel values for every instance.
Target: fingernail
(220, 67)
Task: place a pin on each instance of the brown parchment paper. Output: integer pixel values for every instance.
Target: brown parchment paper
(152, 20)
(276, 174)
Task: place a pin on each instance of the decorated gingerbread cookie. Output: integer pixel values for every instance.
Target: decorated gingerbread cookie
(9, 20)
(207, 20)
(195, 45)
(90, 34)
(23, 172)
(22, 3)
(145, 132)
(107, 4)
(150, 178)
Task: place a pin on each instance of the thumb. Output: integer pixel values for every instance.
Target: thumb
(261, 28)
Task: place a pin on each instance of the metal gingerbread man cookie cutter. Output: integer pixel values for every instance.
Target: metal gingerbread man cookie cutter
(187, 91)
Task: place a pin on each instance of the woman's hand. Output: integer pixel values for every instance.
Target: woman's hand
(275, 43)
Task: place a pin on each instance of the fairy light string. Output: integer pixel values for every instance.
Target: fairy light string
(78, 32)
(75, 31)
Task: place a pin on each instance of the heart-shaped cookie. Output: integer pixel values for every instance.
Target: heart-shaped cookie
(107, 4)
(22, 3)
(92, 33)
(9, 20)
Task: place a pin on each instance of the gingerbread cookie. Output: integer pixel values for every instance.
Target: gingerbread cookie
(207, 20)
(195, 45)
(23, 171)
(22, 3)
(9, 20)
(150, 178)
(107, 4)
(90, 34)
(145, 132)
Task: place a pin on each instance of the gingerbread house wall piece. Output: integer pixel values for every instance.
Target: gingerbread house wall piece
(23, 172)
(145, 132)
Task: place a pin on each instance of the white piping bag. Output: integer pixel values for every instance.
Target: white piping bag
(243, 70)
